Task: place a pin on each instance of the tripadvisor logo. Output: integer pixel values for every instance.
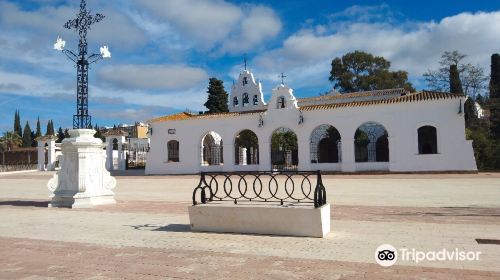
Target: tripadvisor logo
(387, 255)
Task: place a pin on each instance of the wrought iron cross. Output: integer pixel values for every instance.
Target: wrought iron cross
(282, 76)
(82, 24)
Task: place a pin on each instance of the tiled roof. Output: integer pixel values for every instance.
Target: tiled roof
(331, 102)
(373, 94)
(115, 132)
(412, 97)
(174, 117)
(185, 116)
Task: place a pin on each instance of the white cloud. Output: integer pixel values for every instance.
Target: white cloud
(163, 77)
(260, 24)
(411, 46)
(215, 24)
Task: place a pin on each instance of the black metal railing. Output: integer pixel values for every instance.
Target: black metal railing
(278, 187)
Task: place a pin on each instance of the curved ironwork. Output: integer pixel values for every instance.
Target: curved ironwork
(278, 187)
(82, 24)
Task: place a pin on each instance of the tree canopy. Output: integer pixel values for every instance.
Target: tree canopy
(50, 128)
(27, 140)
(217, 97)
(361, 71)
(17, 124)
(455, 84)
(472, 77)
(10, 140)
(495, 97)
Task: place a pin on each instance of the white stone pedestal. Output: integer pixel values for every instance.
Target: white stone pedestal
(83, 180)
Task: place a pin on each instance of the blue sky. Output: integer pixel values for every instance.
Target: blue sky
(163, 52)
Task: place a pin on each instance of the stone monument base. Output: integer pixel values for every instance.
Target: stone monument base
(82, 181)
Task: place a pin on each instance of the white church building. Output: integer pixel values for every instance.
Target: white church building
(387, 130)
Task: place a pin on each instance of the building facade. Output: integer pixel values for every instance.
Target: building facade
(388, 130)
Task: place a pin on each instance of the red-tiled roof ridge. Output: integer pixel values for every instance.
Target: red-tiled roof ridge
(412, 97)
(379, 92)
(185, 115)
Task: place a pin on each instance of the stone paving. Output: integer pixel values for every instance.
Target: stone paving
(146, 235)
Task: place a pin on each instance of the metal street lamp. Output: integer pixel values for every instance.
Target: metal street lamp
(82, 24)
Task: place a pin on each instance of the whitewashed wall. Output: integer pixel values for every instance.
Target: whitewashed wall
(401, 121)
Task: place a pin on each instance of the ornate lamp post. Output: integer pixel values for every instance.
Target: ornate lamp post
(82, 24)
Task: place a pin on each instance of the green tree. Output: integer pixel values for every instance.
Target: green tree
(455, 84)
(217, 96)
(285, 140)
(66, 133)
(38, 132)
(472, 77)
(361, 71)
(17, 124)
(10, 140)
(60, 135)
(494, 101)
(50, 128)
(247, 139)
(98, 133)
(27, 140)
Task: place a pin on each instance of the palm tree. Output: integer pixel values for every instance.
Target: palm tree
(10, 140)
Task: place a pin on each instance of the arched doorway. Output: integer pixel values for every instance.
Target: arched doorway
(325, 144)
(211, 149)
(371, 143)
(284, 150)
(246, 148)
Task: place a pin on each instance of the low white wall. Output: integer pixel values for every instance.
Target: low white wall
(261, 219)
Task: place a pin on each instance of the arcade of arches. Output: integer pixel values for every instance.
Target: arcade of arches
(371, 144)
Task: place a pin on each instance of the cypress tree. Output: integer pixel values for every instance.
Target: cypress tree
(50, 128)
(60, 135)
(27, 135)
(38, 132)
(17, 124)
(495, 96)
(455, 84)
(217, 97)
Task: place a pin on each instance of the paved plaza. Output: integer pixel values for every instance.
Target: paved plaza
(147, 234)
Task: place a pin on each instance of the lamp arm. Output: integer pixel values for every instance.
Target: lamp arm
(70, 55)
(94, 58)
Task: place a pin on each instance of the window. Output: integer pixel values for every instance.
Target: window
(245, 99)
(115, 144)
(173, 151)
(281, 102)
(245, 80)
(255, 100)
(235, 101)
(427, 140)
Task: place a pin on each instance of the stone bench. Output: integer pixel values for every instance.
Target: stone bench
(277, 203)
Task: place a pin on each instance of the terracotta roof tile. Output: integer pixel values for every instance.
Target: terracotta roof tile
(351, 95)
(186, 116)
(412, 97)
(174, 117)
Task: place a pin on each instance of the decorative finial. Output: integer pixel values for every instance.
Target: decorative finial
(282, 76)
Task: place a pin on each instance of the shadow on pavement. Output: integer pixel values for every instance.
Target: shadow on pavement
(170, 227)
(25, 203)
